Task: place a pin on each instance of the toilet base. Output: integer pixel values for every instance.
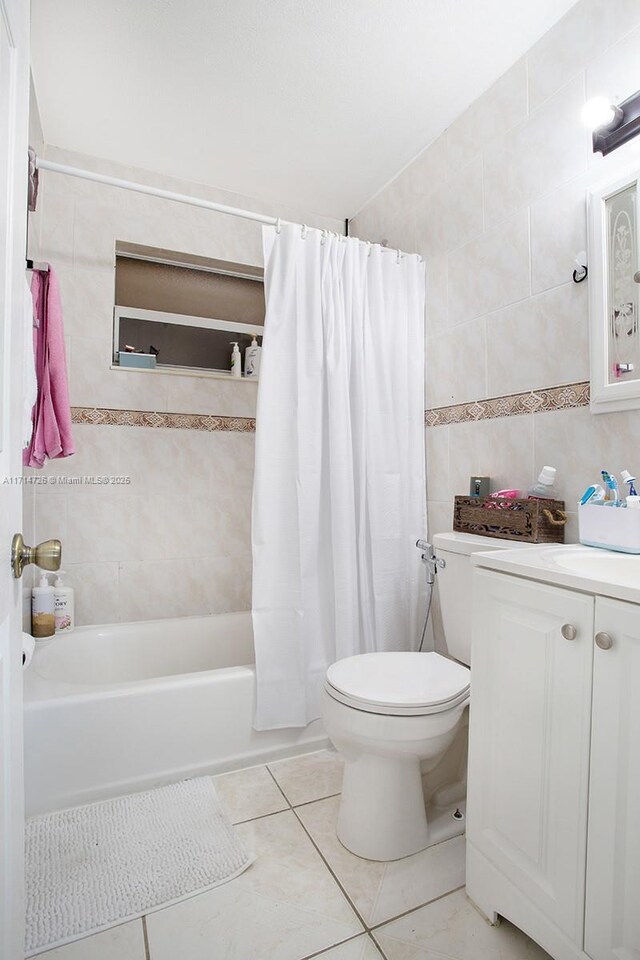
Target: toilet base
(382, 810)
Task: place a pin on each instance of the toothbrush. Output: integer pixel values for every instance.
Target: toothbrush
(611, 484)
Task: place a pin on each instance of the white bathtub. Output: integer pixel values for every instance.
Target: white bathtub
(124, 707)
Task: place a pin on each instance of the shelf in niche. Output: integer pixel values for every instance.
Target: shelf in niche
(187, 372)
(236, 330)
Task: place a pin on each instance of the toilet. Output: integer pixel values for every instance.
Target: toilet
(395, 716)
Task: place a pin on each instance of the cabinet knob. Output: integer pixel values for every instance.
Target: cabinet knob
(568, 631)
(604, 641)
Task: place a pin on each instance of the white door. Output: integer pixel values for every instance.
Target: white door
(612, 925)
(14, 107)
(529, 740)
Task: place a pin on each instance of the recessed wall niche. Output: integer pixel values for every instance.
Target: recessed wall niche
(181, 313)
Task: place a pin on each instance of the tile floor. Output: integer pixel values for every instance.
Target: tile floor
(306, 896)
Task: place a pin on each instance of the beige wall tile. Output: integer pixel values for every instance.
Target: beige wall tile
(491, 271)
(456, 365)
(562, 52)
(437, 294)
(209, 395)
(96, 455)
(558, 233)
(543, 151)
(439, 516)
(589, 28)
(101, 526)
(95, 384)
(429, 170)
(155, 589)
(496, 111)
(437, 453)
(452, 215)
(95, 592)
(615, 73)
(501, 449)
(539, 342)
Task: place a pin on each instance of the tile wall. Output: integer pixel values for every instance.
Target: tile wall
(496, 206)
(175, 539)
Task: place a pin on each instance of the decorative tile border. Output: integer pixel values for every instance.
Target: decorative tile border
(105, 416)
(535, 401)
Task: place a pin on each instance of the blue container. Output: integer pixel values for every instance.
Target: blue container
(144, 361)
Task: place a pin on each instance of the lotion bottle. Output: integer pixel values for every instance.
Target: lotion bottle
(252, 359)
(63, 605)
(236, 360)
(43, 609)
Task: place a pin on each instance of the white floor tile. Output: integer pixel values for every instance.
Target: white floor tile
(381, 891)
(452, 927)
(286, 906)
(247, 794)
(309, 777)
(125, 942)
(362, 948)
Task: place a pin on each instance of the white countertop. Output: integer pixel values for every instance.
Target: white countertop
(588, 569)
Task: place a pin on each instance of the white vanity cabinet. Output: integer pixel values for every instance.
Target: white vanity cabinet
(553, 822)
(612, 921)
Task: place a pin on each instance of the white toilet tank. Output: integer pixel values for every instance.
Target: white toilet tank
(454, 585)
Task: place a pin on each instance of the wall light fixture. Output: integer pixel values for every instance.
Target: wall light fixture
(612, 125)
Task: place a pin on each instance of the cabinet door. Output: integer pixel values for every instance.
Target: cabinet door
(612, 927)
(529, 739)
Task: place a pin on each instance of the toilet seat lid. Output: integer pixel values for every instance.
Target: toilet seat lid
(406, 682)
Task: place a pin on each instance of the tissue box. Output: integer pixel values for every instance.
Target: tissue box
(613, 528)
(144, 361)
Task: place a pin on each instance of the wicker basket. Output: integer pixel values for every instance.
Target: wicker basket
(530, 521)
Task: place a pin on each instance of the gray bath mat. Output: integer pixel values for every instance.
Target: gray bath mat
(94, 866)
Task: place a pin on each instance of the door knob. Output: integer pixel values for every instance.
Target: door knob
(604, 641)
(47, 555)
(568, 631)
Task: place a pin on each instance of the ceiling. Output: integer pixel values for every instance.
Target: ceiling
(312, 103)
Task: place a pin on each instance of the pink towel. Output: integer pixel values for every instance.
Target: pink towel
(51, 412)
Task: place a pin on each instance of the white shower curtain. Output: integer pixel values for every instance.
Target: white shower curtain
(339, 490)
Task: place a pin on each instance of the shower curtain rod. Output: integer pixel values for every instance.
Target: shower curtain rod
(42, 164)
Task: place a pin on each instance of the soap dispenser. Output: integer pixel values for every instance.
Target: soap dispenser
(63, 605)
(236, 360)
(43, 609)
(252, 359)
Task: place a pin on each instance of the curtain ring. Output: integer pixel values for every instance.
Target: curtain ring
(304, 232)
(278, 225)
(398, 257)
(323, 239)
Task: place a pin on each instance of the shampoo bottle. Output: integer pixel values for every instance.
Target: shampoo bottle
(252, 359)
(236, 360)
(43, 609)
(63, 605)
